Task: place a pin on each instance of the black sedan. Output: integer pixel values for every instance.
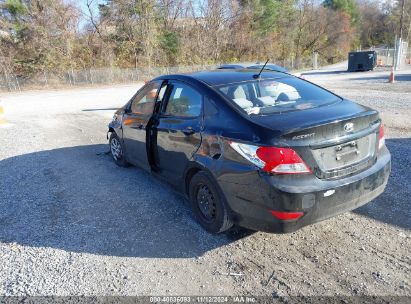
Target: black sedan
(269, 152)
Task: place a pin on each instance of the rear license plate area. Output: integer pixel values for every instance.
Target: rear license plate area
(347, 152)
(344, 155)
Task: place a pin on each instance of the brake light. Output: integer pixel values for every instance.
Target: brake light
(381, 142)
(272, 159)
(287, 216)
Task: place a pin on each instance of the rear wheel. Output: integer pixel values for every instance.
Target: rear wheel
(117, 151)
(208, 204)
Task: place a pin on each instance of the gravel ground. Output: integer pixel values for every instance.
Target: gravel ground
(72, 223)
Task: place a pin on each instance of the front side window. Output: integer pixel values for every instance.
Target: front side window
(268, 96)
(184, 101)
(144, 101)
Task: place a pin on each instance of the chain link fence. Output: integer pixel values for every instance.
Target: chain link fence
(397, 57)
(87, 77)
(385, 56)
(312, 62)
(402, 54)
(10, 82)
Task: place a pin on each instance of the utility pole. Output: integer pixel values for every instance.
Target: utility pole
(391, 78)
(395, 55)
(402, 19)
(400, 38)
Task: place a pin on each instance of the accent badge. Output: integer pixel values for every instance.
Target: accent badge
(349, 127)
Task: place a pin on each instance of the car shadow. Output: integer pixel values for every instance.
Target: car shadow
(325, 72)
(399, 78)
(393, 205)
(76, 199)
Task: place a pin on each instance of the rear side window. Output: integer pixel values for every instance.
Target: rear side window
(184, 101)
(267, 96)
(144, 101)
(162, 92)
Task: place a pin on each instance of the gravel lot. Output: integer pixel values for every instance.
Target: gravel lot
(72, 223)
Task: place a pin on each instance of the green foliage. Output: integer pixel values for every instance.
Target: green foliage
(169, 42)
(347, 6)
(268, 14)
(17, 11)
(104, 10)
(42, 34)
(19, 28)
(15, 7)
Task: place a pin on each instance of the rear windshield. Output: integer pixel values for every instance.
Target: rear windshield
(267, 96)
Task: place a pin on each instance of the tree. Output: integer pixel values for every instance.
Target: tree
(44, 35)
(40, 33)
(347, 6)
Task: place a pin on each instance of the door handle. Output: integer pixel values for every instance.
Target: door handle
(188, 131)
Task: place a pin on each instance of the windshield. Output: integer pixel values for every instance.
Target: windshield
(267, 96)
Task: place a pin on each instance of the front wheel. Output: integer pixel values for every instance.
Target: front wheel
(117, 150)
(208, 204)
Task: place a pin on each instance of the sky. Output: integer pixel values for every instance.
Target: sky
(82, 5)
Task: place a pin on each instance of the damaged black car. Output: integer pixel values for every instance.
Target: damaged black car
(260, 149)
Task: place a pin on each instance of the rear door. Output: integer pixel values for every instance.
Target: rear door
(177, 129)
(135, 122)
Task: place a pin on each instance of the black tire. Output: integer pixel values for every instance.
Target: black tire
(208, 204)
(117, 153)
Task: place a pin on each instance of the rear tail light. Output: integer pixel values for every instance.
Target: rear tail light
(272, 159)
(287, 216)
(381, 142)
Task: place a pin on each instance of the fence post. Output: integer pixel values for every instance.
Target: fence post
(45, 78)
(17, 81)
(394, 56)
(315, 60)
(398, 55)
(72, 77)
(7, 81)
(387, 57)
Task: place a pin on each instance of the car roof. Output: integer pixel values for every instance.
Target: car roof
(250, 65)
(237, 65)
(269, 66)
(226, 76)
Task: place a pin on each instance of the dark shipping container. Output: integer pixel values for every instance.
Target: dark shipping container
(362, 61)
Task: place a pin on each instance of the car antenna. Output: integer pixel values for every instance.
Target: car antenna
(257, 76)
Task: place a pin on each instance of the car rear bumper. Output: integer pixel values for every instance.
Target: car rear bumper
(251, 195)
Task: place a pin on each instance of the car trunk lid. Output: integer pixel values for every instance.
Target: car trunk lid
(335, 140)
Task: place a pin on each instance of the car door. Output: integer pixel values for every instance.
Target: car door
(135, 122)
(177, 129)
